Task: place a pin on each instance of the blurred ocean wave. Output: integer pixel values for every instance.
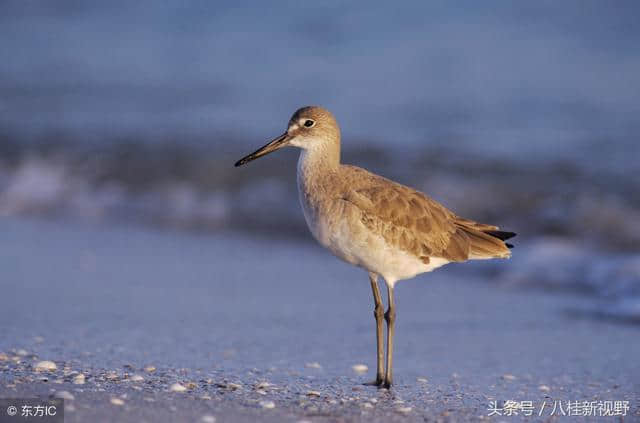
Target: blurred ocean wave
(189, 187)
(569, 266)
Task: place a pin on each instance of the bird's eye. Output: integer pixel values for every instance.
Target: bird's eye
(309, 123)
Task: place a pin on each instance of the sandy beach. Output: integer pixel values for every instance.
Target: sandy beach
(242, 324)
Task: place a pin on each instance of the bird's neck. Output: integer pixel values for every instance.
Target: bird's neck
(320, 159)
(317, 171)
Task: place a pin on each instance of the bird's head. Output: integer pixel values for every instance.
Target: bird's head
(310, 127)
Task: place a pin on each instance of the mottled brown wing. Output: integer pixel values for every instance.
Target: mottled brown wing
(411, 221)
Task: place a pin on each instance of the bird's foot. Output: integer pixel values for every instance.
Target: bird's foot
(378, 382)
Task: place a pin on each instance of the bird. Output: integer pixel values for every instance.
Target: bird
(392, 231)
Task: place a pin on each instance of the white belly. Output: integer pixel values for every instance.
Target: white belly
(372, 252)
(340, 230)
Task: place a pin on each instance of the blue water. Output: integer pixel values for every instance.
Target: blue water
(525, 80)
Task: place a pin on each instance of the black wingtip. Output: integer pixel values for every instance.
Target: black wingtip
(502, 235)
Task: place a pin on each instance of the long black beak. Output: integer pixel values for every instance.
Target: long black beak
(272, 146)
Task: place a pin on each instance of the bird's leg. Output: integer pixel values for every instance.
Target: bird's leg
(390, 317)
(378, 314)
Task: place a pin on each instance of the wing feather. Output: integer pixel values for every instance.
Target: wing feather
(417, 224)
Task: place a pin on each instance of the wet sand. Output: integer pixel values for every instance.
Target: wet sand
(246, 323)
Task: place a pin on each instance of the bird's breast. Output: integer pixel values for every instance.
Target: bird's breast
(311, 204)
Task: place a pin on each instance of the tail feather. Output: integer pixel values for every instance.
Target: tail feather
(485, 246)
(502, 235)
(486, 241)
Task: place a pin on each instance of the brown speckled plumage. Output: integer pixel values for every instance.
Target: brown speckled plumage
(413, 222)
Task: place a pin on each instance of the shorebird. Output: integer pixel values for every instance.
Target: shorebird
(386, 228)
